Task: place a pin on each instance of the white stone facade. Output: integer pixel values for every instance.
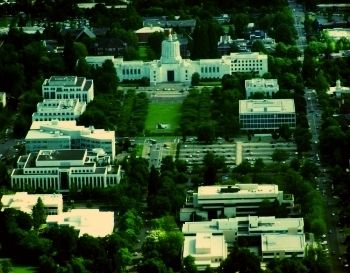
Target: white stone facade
(51, 135)
(64, 109)
(68, 87)
(62, 170)
(25, 202)
(172, 68)
(266, 86)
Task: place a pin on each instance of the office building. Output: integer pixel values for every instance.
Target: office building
(64, 109)
(68, 87)
(171, 67)
(266, 114)
(274, 237)
(52, 135)
(267, 87)
(211, 202)
(208, 250)
(25, 202)
(62, 170)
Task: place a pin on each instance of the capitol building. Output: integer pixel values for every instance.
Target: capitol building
(171, 67)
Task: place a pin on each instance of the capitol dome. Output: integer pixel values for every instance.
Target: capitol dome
(170, 50)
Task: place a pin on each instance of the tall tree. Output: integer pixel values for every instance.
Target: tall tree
(39, 214)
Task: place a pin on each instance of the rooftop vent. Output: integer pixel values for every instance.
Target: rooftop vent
(230, 189)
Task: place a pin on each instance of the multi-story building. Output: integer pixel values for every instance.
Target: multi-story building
(266, 114)
(275, 237)
(171, 67)
(219, 201)
(25, 202)
(92, 222)
(62, 170)
(64, 109)
(338, 90)
(68, 87)
(207, 249)
(51, 135)
(268, 87)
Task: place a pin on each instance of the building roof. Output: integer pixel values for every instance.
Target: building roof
(61, 155)
(24, 202)
(282, 242)
(262, 83)
(88, 221)
(266, 106)
(221, 191)
(255, 223)
(66, 129)
(338, 33)
(203, 247)
(149, 30)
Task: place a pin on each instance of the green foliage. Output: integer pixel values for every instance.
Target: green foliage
(279, 155)
(195, 79)
(39, 214)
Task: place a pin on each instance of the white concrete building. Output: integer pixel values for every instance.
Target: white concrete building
(208, 250)
(219, 201)
(172, 68)
(285, 234)
(62, 170)
(64, 109)
(266, 114)
(282, 246)
(68, 87)
(87, 221)
(245, 226)
(3, 99)
(268, 87)
(51, 135)
(338, 90)
(25, 202)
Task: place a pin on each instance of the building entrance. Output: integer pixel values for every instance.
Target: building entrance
(171, 75)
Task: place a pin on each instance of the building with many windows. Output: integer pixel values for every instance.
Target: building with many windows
(267, 87)
(171, 67)
(25, 202)
(266, 114)
(211, 202)
(64, 109)
(68, 87)
(92, 222)
(274, 237)
(62, 170)
(52, 135)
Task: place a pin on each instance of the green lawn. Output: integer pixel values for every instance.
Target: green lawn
(143, 53)
(22, 269)
(165, 113)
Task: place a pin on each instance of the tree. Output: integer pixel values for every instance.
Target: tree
(39, 214)
(195, 79)
(189, 265)
(155, 43)
(285, 132)
(279, 155)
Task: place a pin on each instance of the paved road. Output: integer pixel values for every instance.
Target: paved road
(299, 17)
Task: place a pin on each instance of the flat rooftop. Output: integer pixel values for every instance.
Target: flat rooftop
(61, 155)
(338, 33)
(266, 106)
(238, 189)
(257, 82)
(282, 242)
